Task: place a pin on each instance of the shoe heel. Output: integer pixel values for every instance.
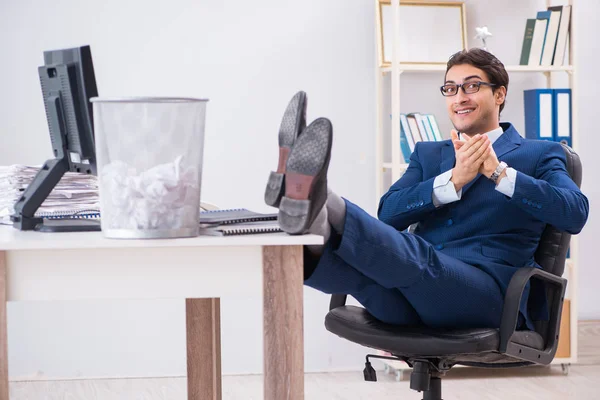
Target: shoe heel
(275, 189)
(293, 215)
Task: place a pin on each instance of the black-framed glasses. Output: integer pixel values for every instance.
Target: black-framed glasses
(451, 89)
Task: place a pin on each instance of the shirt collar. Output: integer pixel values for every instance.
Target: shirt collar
(493, 135)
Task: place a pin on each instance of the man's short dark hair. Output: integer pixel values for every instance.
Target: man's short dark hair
(486, 62)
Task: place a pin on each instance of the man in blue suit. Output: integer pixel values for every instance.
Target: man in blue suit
(480, 202)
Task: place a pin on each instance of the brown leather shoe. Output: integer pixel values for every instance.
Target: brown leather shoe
(292, 124)
(306, 177)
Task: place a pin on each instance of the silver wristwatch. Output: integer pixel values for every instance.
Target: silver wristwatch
(496, 174)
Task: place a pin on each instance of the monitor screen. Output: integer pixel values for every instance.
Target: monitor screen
(69, 74)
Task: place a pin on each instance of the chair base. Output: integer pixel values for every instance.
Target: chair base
(425, 378)
(435, 390)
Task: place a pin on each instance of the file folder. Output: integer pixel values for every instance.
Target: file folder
(539, 114)
(563, 116)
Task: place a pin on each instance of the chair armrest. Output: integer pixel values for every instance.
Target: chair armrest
(512, 301)
(337, 300)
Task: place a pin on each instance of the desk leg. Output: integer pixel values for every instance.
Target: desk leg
(3, 330)
(283, 280)
(203, 323)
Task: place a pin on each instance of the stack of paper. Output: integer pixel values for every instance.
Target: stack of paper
(74, 193)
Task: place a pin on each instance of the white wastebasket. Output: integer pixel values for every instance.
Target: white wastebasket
(149, 156)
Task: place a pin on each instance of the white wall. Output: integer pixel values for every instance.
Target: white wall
(248, 58)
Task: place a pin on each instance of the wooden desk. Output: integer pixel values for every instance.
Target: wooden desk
(72, 266)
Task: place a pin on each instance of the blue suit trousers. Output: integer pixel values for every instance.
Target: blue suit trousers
(402, 279)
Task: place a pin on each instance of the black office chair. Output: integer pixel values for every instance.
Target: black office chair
(432, 352)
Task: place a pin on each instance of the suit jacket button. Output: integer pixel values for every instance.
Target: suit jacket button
(449, 222)
(539, 206)
(525, 201)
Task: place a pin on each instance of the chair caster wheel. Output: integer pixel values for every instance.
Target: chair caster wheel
(565, 368)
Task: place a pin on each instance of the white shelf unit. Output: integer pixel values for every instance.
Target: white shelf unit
(396, 166)
(442, 67)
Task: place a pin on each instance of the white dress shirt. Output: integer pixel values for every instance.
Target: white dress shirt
(445, 193)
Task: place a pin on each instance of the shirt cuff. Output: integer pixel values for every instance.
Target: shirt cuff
(507, 184)
(444, 191)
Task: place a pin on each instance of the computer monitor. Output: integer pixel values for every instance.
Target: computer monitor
(68, 82)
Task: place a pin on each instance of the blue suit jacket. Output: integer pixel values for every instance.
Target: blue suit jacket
(485, 228)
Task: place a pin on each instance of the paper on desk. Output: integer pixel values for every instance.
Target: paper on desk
(75, 192)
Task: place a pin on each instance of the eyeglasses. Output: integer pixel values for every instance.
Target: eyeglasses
(451, 89)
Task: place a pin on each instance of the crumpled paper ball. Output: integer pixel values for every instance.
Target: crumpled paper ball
(165, 196)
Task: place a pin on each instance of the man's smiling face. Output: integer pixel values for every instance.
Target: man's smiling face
(476, 112)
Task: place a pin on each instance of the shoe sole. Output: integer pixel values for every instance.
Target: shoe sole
(306, 178)
(292, 123)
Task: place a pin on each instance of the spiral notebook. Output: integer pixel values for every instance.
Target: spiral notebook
(245, 228)
(70, 214)
(233, 216)
(217, 217)
(226, 222)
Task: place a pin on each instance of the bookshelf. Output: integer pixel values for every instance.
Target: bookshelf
(442, 68)
(390, 167)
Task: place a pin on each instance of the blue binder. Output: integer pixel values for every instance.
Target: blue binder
(539, 114)
(563, 116)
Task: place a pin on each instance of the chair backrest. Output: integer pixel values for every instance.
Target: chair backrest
(551, 253)
(552, 250)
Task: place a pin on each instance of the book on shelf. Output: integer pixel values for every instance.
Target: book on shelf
(404, 146)
(563, 34)
(405, 131)
(414, 128)
(422, 127)
(527, 39)
(435, 127)
(546, 37)
(551, 36)
(407, 143)
(539, 36)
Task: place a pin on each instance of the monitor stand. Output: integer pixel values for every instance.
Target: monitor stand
(68, 225)
(45, 180)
